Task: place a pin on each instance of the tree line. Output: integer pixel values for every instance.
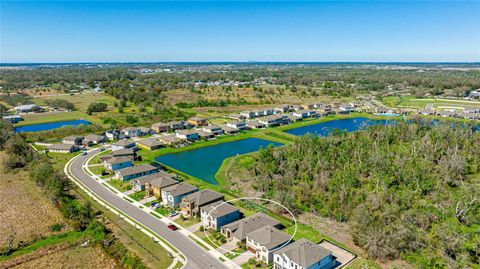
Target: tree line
(409, 190)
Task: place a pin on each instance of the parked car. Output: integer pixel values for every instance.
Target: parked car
(154, 205)
(172, 227)
(84, 153)
(102, 149)
(104, 173)
(172, 214)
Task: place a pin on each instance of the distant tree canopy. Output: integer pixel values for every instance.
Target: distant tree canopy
(96, 107)
(60, 103)
(408, 190)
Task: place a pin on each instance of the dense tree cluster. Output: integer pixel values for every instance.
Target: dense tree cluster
(96, 107)
(409, 190)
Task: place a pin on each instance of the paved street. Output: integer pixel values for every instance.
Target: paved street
(197, 256)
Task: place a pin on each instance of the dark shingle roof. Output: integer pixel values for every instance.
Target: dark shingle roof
(241, 228)
(179, 189)
(269, 237)
(219, 209)
(203, 197)
(136, 169)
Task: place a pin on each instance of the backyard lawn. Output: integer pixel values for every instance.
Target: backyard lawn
(122, 186)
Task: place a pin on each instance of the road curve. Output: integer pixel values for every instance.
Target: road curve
(197, 257)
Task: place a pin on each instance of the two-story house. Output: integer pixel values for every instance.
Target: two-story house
(197, 121)
(172, 195)
(264, 241)
(189, 135)
(218, 214)
(117, 163)
(303, 254)
(238, 230)
(154, 183)
(213, 129)
(192, 203)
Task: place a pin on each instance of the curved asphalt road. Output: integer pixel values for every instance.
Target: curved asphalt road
(197, 257)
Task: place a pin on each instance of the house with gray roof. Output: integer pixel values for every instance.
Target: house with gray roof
(172, 196)
(238, 230)
(219, 214)
(192, 203)
(303, 254)
(73, 140)
(135, 171)
(171, 140)
(264, 241)
(95, 139)
(123, 144)
(62, 148)
(117, 163)
(149, 143)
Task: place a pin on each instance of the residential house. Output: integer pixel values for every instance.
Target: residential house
(323, 108)
(264, 241)
(308, 106)
(240, 125)
(73, 140)
(247, 114)
(171, 139)
(447, 114)
(123, 144)
(205, 135)
(117, 163)
(12, 118)
(282, 108)
(303, 254)
(218, 214)
(145, 130)
(346, 108)
(160, 127)
(196, 121)
(130, 152)
(95, 139)
(213, 129)
(292, 118)
(254, 124)
(172, 195)
(62, 148)
(149, 143)
(274, 120)
(229, 130)
(428, 112)
(132, 132)
(238, 230)
(305, 113)
(469, 116)
(27, 108)
(135, 171)
(114, 135)
(154, 183)
(189, 135)
(192, 203)
(471, 110)
(175, 125)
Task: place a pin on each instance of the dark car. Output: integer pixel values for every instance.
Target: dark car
(172, 227)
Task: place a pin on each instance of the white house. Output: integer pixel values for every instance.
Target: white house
(218, 214)
(123, 144)
(189, 135)
(303, 254)
(264, 241)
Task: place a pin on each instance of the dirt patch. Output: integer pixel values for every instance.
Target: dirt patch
(25, 213)
(63, 256)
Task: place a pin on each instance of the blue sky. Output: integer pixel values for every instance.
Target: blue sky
(86, 31)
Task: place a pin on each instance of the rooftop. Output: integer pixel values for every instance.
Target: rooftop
(203, 197)
(123, 143)
(160, 180)
(219, 209)
(304, 253)
(241, 228)
(116, 160)
(269, 237)
(136, 169)
(180, 189)
(149, 142)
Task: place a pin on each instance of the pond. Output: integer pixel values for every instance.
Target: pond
(204, 163)
(49, 126)
(325, 128)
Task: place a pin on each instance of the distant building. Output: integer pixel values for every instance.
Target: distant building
(13, 118)
(196, 121)
(213, 129)
(62, 148)
(240, 125)
(132, 131)
(274, 120)
(149, 143)
(171, 140)
(160, 127)
(254, 124)
(73, 140)
(28, 108)
(114, 135)
(95, 139)
(305, 113)
(190, 135)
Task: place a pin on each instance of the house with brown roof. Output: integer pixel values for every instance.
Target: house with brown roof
(154, 183)
(192, 203)
(160, 127)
